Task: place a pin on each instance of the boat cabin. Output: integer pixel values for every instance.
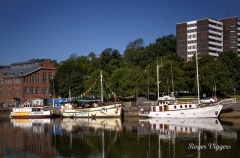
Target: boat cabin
(167, 106)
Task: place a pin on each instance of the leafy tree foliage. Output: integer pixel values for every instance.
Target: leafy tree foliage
(231, 61)
(135, 71)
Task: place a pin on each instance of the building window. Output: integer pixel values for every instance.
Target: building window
(38, 91)
(26, 90)
(50, 76)
(32, 79)
(45, 77)
(45, 90)
(9, 93)
(31, 90)
(38, 78)
(25, 80)
(1, 79)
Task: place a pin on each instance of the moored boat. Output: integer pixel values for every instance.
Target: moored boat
(169, 107)
(90, 108)
(69, 109)
(28, 110)
(189, 110)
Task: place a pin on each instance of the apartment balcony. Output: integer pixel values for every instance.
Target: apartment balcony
(214, 21)
(190, 28)
(215, 43)
(215, 49)
(214, 54)
(215, 32)
(215, 38)
(215, 27)
(238, 23)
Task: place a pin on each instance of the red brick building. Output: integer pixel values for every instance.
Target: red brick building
(25, 80)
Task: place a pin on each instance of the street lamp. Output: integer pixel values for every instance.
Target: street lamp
(147, 83)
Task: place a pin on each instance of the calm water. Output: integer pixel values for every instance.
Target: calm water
(116, 138)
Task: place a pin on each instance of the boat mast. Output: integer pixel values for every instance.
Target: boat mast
(197, 77)
(172, 79)
(101, 86)
(158, 79)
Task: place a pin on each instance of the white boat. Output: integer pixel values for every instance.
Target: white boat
(100, 111)
(169, 107)
(28, 110)
(69, 109)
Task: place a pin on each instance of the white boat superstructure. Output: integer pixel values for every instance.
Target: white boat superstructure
(28, 110)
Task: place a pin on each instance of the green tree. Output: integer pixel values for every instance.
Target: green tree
(231, 61)
(69, 76)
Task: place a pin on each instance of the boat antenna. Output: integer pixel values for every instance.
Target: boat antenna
(197, 77)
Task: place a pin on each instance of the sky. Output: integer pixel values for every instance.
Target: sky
(55, 29)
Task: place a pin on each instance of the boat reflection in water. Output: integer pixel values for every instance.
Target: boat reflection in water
(181, 125)
(36, 125)
(93, 124)
(105, 129)
(179, 130)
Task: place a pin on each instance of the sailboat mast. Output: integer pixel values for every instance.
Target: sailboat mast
(197, 77)
(172, 79)
(101, 86)
(158, 79)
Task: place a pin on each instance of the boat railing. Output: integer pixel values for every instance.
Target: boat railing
(227, 101)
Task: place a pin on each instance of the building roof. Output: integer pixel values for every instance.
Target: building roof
(25, 69)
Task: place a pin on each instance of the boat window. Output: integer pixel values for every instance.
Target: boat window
(175, 107)
(180, 106)
(190, 106)
(185, 106)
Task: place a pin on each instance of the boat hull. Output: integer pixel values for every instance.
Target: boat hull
(27, 113)
(204, 112)
(102, 111)
(30, 116)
